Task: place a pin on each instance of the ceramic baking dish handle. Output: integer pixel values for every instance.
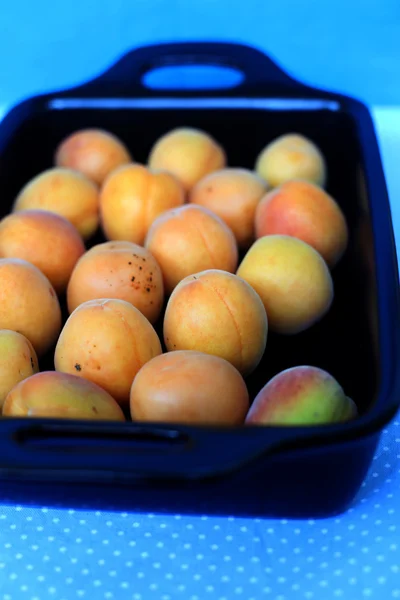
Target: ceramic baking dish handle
(125, 77)
(144, 451)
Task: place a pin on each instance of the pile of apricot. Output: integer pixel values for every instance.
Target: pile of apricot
(211, 256)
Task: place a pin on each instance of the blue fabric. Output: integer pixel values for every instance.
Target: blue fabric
(349, 46)
(63, 555)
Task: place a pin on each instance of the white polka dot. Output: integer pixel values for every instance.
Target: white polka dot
(366, 569)
(255, 559)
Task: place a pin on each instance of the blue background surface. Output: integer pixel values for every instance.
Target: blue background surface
(349, 46)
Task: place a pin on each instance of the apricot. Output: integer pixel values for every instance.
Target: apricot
(66, 193)
(106, 341)
(301, 396)
(291, 156)
(190, 239)
(18, 361)
(233, 195)
(58, 395)
(45, 239)
(217, 313)
(303, 210)
(93, 152)
(292, 279)
(28, 303)
(132, 197)
(118, 270)
(188, 153)
(189, 387)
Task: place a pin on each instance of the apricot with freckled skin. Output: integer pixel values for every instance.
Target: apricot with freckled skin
(45, 239)
(18, 361)
(62, 396)
(118, 270)
(93, 152)
(28, 303)
(106, 341)
(66, 193)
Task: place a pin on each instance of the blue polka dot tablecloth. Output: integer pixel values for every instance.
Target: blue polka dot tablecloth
(66, 554)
